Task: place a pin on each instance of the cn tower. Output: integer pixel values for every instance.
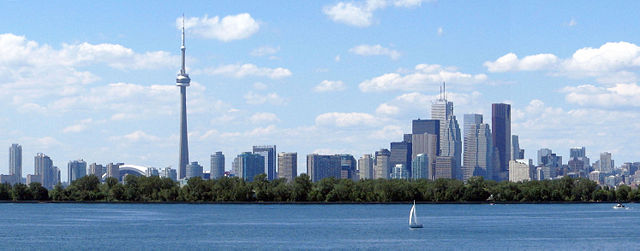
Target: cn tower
(183, 81)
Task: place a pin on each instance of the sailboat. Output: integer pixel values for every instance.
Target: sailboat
(413, 219)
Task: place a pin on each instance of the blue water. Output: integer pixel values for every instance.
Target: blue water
(177, 226)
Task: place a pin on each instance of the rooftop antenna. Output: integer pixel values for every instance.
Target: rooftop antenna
(444, 87)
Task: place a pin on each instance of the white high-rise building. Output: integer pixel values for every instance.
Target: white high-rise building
(365, 166)
(450, 139)
(519, 170)
(15, 161)
(606, 163)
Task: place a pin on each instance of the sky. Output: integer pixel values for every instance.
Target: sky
(96, 80)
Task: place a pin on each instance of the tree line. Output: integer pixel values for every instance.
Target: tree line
(301, 189)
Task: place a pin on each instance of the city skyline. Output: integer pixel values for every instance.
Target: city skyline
(254, 89)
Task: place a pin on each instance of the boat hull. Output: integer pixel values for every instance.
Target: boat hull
(415, 226)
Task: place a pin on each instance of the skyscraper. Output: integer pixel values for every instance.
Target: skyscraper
(76, 169)
(478, 152)
(323, 166)
(348, 167)
(249, 165)
(445, 167)
(217, 165)
(427, 144)
(470, 147)
(515, 148)
(15, 161)
(421, 167)
(288, 166)
(113, 170)
(183, 81)
(450, 139)
(194, 170)
(43, 167)
(577, 152)
(365, 166)
(401, 154)
(501, 138)
(269, 154)
(606, 163)
(97, 170)
(381, 165)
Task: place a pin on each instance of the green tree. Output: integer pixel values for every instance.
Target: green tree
(5, 191)
(622, 193)
(38, 192)
(20, 192)
(301, 188)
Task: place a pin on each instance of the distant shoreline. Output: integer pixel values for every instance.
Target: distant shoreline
(309, 202)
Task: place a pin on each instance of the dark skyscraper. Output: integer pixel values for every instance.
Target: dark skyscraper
(269, 154)
(323, 166)
(430, 126)
(501, 138)
(401, 154)
(183, 81)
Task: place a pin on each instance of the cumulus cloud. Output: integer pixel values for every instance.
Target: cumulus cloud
(228, 28)
(31, 71)
(413, 103)
(360, 14)
(246, 70)
(136, 136)
(387, 109)
(619, 95)
(424, 77)
(374, 50)
(340, 119)
(269, 98)
(510, 62)
(263, 117)
(610, 63)
(329, 86)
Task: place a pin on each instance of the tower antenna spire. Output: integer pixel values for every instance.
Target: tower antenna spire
(183, 48)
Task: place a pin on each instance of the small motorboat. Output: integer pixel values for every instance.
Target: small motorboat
(413, 218)
(619, 206)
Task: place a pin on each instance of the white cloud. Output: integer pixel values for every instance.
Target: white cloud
(619, 95)
(232, 27)
(424, 77)
(360, 14)
(386, 109)
(270, 98)
(374, 50)
(247, 70)
(612, 62)
(412, 103)
(329, 86)
(264, 51)
(337, 58)
(353, 14)
(78, 127)
(440, 31)
(572, 22)
(263, 117)
(510, 62)
(137, 136)
(339, 119)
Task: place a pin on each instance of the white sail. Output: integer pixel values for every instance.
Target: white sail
(411, 214)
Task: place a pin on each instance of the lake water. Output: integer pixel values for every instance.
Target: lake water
(249, 226)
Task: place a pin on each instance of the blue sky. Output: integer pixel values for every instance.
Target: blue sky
(97, 80)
